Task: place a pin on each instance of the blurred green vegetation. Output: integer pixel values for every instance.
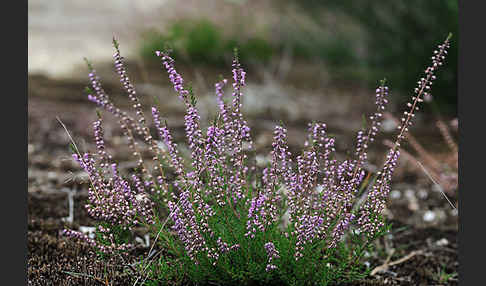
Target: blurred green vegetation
(202, 42)
(399, 38)
(356, 40)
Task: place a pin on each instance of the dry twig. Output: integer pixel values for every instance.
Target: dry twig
(401, 260)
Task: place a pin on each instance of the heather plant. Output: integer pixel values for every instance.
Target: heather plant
(215, 218)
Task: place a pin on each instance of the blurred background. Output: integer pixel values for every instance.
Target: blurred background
(307, 60)
(349, 44)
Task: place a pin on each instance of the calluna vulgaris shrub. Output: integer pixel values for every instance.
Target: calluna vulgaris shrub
(303, 220)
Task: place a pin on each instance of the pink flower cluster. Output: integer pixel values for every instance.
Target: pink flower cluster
(376, 200)
(112, 199)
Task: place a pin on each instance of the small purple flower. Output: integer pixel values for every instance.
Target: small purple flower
(272, 253)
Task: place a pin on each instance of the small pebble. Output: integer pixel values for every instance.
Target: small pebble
(140, 241)
(410, 194)
(87, 230)
(413, 205)
(262, 160)
(436, 188)
(429, 216)
(30, 149)
(412, 200)
(442, 242)
(147, 239)
(423, 194)
(395, 194)
(388, 125)
(387, 213)
(117, 140)
(52, 176)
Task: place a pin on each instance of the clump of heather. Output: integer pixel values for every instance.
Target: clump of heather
(304, 219)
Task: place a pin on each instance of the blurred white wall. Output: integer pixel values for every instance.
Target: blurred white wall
(61, 33)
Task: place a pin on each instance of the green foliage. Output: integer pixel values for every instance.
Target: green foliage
(335, 52)
(255, 49)
(443, 277)
(398, 39)
(246, 266)
(202, 42)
